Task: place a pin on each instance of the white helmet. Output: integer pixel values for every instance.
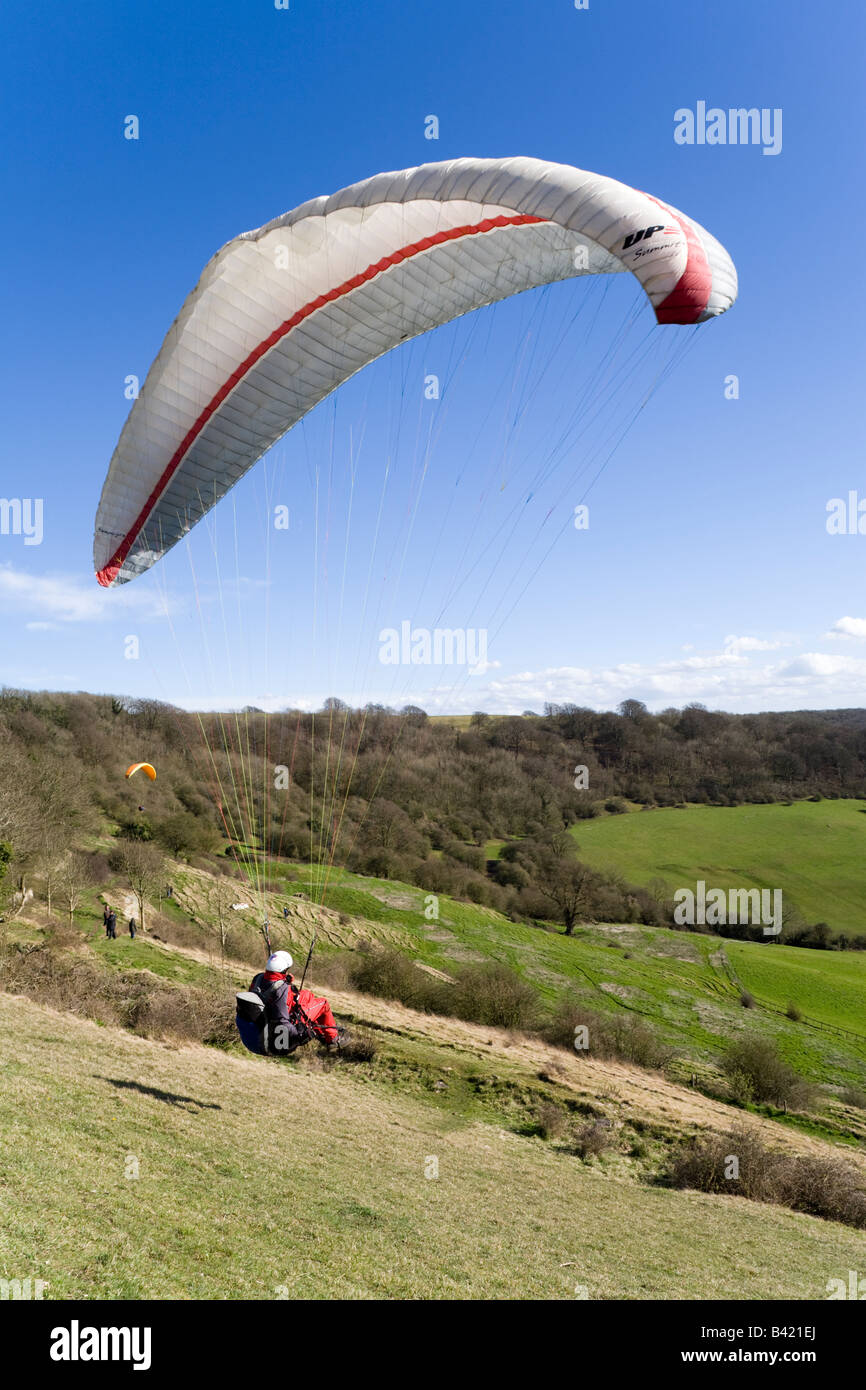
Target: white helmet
(279, 962)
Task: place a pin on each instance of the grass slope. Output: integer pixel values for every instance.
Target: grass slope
(686, 985)
(257, 1179)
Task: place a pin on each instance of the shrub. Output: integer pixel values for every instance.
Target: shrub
(755, 1069)
(489, 993)
(334, 971)
(243, 944)
(567, 1017)
(551, 1120)
(630, 1039)
(5, 858)
(822, 1187)
(509, 875)
(99, 866)
(130, 998)
(495, 995)
(183, 834)
(359, 1046)
(131, 828)
(61, 937)
(594, 1139)
(389, 974)
(621, 1036)
(705, 1162)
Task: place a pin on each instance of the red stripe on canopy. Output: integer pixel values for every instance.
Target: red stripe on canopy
(109, 573)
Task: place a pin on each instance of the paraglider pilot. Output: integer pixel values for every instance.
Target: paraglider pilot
(278, 992)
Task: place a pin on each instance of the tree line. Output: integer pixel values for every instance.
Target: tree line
(396, 794)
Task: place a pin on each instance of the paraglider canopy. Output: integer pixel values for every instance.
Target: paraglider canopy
(141, 767)
(285, 314)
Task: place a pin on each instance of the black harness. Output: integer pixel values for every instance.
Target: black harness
(271, 994)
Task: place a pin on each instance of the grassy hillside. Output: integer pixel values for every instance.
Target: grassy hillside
(138, 1166)
(134, 1169)
(434, 1156)
(814, 851)
(468, 807)
(687, 986)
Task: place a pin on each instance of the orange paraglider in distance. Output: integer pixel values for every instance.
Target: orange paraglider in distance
(142, 767)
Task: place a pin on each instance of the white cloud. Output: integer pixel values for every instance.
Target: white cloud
(823, 664)
(721, 680)
(44, 602)
(738, 645)
(741, 674)
(727, 679)
(848, 627)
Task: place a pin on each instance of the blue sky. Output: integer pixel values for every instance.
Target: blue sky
(707, 572)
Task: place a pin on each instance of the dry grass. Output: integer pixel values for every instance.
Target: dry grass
(741, 1162)
(643, 1095)
(647, 1096)
(60, 974)
(225, 1146)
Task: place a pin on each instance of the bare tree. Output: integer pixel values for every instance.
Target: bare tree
(220, 901)
(143, 867)
(563, 880)
(568, 884)
(42, 804)
(19, 814)
(73, 879)
(50, 855)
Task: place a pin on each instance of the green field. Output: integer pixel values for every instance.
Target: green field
(814, 851)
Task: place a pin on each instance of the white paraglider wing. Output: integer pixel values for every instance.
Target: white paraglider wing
(283, 315)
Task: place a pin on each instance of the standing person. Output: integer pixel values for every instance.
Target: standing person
(111, 926)
(132, 927)
(106, 912)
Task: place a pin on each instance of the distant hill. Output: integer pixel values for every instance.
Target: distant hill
(814, 851)
(393, 794)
